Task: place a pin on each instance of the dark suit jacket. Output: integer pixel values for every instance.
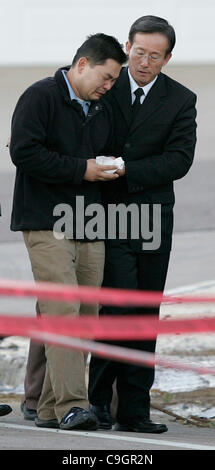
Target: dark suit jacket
(157, 146)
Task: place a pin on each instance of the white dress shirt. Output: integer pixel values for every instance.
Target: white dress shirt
(134, 87)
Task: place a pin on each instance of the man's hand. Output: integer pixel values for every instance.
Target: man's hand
(121, 172)
(95, 172)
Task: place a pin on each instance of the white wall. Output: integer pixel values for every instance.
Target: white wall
(50, 31)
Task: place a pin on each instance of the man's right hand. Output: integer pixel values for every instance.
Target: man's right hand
(95, 172)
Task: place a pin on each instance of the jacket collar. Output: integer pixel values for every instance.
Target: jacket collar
(62, 83)
(95, 106)
(122, 93)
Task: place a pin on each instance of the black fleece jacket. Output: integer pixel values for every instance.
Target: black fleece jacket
(51, 141)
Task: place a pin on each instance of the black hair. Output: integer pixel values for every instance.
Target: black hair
(153, 24)
(98, 48)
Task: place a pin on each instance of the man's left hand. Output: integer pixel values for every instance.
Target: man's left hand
(121, 172)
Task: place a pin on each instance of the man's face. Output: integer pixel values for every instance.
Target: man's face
(147, 56)
(95, 80)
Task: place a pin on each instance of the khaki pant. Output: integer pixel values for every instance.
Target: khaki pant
(67, 262)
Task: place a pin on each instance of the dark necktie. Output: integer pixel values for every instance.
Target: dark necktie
(136, 105)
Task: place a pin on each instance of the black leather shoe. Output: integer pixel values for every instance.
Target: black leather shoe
(78, 418)
(146, 425)
(46, 423)
(5, 410)
(103, 415)
(28, 413)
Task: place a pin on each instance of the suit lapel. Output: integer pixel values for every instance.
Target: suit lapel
(122, 93)
(153, 101)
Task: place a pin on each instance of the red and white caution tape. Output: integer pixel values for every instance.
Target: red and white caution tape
(104, 296)
(105, 327)
(57, 329)
(118, 353)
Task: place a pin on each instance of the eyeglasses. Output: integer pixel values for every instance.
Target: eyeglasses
(152, 57)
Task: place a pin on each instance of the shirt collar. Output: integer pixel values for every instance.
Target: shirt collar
(72, 94)
(134, 84)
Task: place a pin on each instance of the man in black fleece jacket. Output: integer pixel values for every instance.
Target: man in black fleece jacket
(58, 128)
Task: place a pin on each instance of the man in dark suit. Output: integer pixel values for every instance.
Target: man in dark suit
(155, 135)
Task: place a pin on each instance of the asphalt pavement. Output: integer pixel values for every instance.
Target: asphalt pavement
(17, 434)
